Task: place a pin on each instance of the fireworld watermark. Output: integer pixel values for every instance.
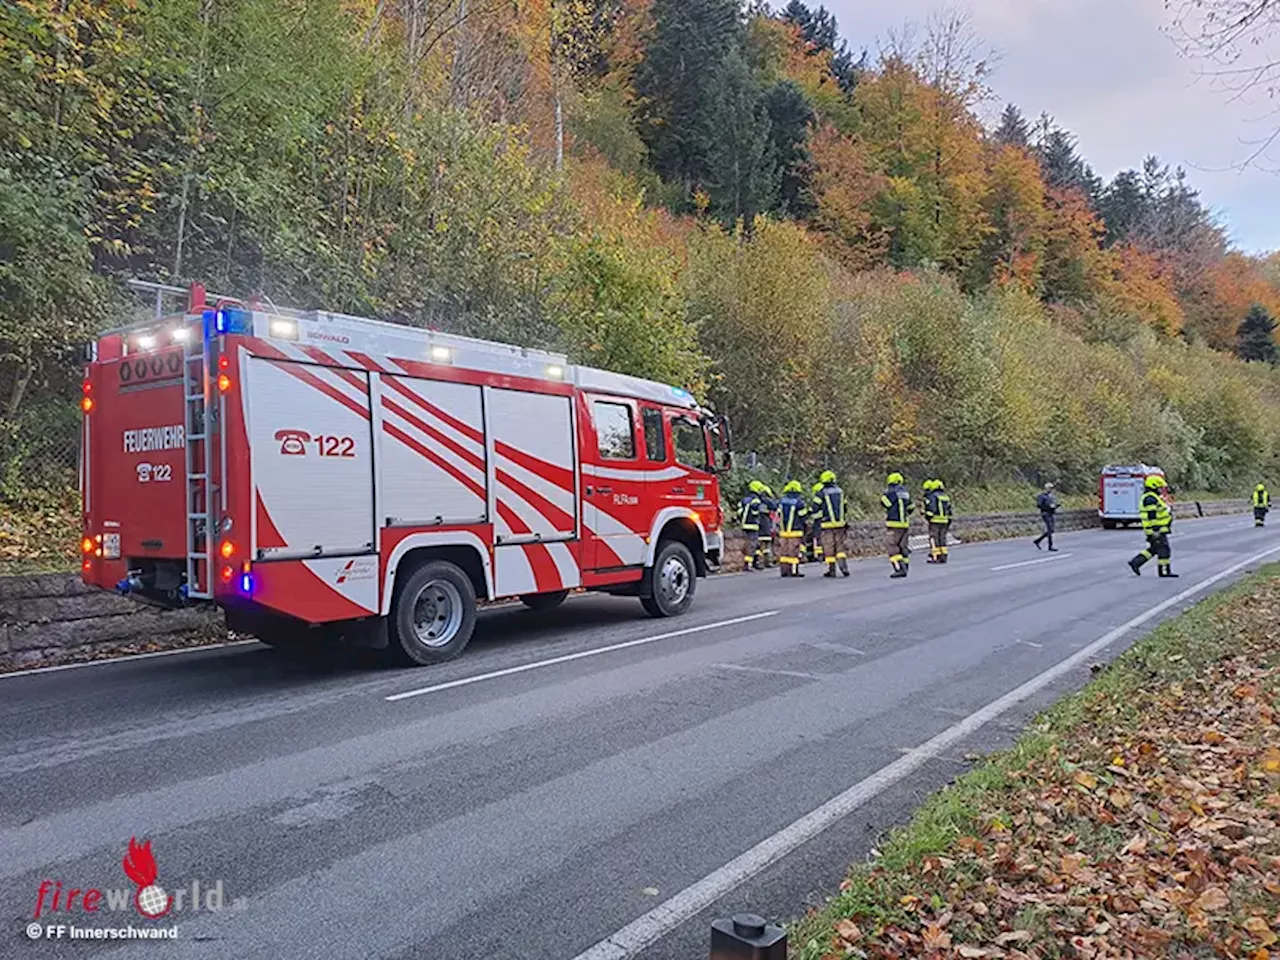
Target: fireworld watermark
(59, 904)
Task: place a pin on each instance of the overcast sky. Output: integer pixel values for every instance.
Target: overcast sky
(1105, 71)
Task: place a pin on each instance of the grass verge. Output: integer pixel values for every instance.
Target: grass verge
(1139, 817)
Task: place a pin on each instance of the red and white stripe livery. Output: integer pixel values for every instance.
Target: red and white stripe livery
(348, 456)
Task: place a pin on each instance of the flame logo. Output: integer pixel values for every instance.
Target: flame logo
(140, 866)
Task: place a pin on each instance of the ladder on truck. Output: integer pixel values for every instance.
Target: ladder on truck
(198, 421)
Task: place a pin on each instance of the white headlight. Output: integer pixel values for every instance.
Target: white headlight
(441, 354)
(146, 342)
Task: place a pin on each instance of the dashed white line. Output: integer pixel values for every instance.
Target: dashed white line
(692, 900)
(569, 657)
(1032, 563)
(742, 668)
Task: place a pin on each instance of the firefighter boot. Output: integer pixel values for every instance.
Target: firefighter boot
(844, 566)
(899, 570)
(831, 569)
(1136, 563)
(1166, 570)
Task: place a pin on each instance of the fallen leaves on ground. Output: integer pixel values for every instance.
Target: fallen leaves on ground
(1149, 826)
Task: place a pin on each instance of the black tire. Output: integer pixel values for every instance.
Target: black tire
(542, 602)
(442, 629)
(669, 589)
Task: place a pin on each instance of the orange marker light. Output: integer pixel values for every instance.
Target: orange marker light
(86, 404)
(224, 382)
(228, 549)
(86, 545)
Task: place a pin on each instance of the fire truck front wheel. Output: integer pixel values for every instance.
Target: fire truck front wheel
(434, 613)
(672, 580)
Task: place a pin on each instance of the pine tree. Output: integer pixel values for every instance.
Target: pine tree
(1014, 131)
(822, 32)
(1123, 206)
(689, 42)
(1255, 340)
(741, 168)
(1062, 167)
(789, 118)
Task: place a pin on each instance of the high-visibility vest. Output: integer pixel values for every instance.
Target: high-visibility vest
(937, 507)
(1156, 515)
(1261, 498)
(897, 507)
(831, 499)
(792, 511)
(749, 512)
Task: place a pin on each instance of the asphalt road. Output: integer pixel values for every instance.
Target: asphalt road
(535, 812)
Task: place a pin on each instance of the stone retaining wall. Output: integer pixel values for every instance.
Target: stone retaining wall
(52, 617)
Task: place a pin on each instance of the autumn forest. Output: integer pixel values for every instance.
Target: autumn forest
(842, 242)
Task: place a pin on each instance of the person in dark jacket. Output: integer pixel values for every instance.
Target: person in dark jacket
(1047, 504)
(834, 524)
(793, 512)
(938, 514)
(750, 516)
(898, 507)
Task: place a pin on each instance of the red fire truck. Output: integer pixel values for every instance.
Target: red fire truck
(317, 474)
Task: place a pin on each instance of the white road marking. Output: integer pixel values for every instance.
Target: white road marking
(776, 673)
(835, 647)
(1028, 643)
(539, 664)
(1032, 563)
(692, 900)
(131, 656)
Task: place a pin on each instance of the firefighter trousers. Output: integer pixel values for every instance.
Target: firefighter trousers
(938, 542)
(789, 548)
(898, 541)
(1158, 547)
(1259, 516)
(835, 546)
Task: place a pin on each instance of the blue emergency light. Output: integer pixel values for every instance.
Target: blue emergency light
(227, 320)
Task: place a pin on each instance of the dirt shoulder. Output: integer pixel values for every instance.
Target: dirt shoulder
(1139, 817)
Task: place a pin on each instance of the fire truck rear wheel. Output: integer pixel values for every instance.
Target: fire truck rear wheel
(672, 581)
(434, 613)
(544, 601)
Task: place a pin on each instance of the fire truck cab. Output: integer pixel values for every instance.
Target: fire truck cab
(1120, 490)
(319, 475)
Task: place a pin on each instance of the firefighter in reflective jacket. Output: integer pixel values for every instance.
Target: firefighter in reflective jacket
(834, 524)
(1157, 520)
(937, 511)
(1261, 504)
(814, 541)
(897, 520)
(750, 511)
(793, 511)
